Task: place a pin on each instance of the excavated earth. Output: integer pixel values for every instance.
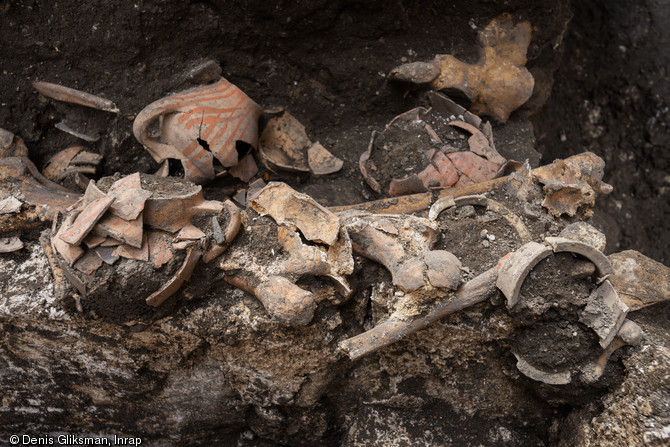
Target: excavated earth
(215, 369)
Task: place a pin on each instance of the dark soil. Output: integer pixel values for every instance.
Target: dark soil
(470, 226)
(551, 299)
(611, 96)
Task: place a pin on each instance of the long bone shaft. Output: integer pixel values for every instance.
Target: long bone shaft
(392, 330)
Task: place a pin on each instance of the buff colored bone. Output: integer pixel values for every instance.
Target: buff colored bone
(497, 84)
(273, 282)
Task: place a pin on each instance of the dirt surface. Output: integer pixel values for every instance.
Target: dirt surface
(474, 226)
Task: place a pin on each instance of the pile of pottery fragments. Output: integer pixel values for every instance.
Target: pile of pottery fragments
(213, 130)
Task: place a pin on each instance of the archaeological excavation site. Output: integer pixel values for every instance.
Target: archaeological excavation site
(335, 223)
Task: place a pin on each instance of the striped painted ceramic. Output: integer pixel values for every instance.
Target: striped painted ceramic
(198, 125)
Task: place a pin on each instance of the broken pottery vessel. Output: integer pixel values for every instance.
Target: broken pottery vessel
(19, 173)
(130, 243)
(426, 149)
(497, 84)
(197, 126)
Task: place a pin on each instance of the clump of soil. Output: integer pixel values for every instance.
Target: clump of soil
(550, 336)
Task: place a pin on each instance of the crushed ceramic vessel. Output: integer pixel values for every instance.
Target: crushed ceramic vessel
(604, 312)
(497, 84)
(273, 281)
(287, 206)
(215, 121)
(17, 169)
(94, 237)
(426, 149)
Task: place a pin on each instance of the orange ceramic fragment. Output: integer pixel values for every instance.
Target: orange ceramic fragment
(190, 232)
(245, 169)
(85, 221)
(69, 252)
(472, 168)
(94, 240)
(127, 231)
(89, 263)
(128, 252)
(160, 251)
(174, 284)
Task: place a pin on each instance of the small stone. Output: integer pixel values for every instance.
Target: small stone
(444, 269)
(467, 211)
(483, 234)
(491, 237)
(532, 212)
(10, 205)
(486, 243)
(583, 232)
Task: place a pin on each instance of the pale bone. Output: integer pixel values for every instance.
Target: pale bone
(286, 206)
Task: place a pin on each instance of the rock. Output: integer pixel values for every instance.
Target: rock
(583, 232)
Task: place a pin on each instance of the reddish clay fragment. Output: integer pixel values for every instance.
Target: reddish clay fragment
(66, 94)
(190, 232)
(89, 263)
(174, 284)
(110, 242)
(69, 252)
(85, 221)
(230, 233)
(479, 143)
(129, 232)
(139, 254)
(245, 169)
(160, 251)
(94, 240)
(59, 163)
(172, 212)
